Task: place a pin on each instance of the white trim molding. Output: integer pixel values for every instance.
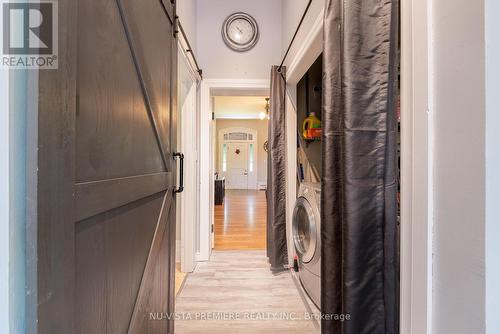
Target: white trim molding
(492, 163)
(187, 201)
(310, 49)
(236, 116)
(416, 169)
(209, 88)
(4, 202)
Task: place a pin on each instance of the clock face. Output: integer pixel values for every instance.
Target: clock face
(240, 32)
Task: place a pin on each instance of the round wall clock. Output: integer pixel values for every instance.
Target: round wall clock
(240, 32)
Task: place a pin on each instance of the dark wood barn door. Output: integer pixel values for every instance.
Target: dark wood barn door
(104, 233)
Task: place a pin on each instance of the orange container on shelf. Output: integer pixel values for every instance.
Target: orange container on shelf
(311, 128)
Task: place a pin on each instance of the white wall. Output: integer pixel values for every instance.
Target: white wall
(292, 11)
(217, 61)
(492, 230)
(13, 88)
(239, 107)
(458, 112)
(466, 113)
(186, 10)
(4, 202)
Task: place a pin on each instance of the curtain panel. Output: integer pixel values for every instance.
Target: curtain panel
(359, 183)
(276, 173)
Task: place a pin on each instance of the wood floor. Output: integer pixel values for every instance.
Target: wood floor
(238, 286)
(179, 278)
(241, 222)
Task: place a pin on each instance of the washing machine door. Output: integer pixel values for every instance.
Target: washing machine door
(304, 228)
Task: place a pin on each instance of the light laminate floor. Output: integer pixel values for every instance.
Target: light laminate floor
(239, 286)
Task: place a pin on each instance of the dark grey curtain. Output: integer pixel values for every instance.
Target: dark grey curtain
(276, 174)
(358, 204)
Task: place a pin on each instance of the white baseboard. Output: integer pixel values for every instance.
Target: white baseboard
(178, 251)
(200, 258)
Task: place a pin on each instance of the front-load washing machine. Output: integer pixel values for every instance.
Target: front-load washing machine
(306, 231)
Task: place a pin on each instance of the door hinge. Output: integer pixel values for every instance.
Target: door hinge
(212, 228)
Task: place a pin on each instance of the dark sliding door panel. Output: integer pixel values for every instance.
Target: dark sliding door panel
(105, 230)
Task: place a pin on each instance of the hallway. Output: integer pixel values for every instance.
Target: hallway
(238, 284)
(241, 222)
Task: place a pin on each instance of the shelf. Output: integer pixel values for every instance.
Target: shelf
(311, 140)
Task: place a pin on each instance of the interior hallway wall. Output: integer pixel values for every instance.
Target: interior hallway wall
(217, 60)
(458, 139)
(13, 89)
(4, 203)
(292, 11)
(187, 10)
(256, 124)
(492, 230)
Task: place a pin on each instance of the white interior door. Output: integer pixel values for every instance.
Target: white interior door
(237, 165)
(187, 203)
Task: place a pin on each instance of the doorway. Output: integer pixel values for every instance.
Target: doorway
(234, 237)
(187, 144)
(237, 154)
(211, 121)
(240, 168)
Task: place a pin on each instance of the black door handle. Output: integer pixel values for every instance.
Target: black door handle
(181, 181)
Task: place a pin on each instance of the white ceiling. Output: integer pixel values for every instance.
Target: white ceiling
(239, 107)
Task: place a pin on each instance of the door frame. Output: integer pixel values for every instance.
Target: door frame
(5, 202)
(207, 153)
(416, 155)
(252, 182)
(188, 209)
(416, 168)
